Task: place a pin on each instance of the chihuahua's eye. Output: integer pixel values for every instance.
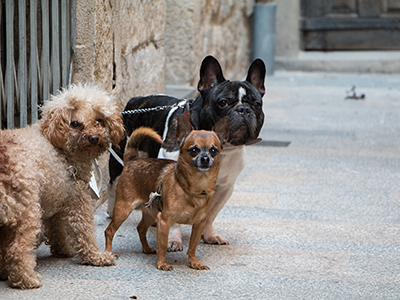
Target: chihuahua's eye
(75, 124)
(194, 151)
(213, 151)
(222, 103)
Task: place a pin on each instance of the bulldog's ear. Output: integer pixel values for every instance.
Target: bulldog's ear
(183, 128)
(221, 128)
(256, 75)
(210, 73)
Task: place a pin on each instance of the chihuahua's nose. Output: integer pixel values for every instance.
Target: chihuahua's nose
(205, 160)
(93, 139)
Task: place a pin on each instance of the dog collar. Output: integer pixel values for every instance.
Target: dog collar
(197, 195)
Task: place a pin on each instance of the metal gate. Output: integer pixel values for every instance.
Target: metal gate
(36, 38)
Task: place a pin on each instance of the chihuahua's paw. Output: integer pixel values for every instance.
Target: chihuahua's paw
(199, 266)
(175, 246)
(216, 240)
(164, 267)
(149, 251)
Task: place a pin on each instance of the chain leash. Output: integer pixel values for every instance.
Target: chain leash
(145, 110)
(136, 111)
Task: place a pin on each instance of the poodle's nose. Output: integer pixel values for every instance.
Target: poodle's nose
(93, 139)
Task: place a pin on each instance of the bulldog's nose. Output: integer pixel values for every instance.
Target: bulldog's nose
(243, 109)
(93, 139)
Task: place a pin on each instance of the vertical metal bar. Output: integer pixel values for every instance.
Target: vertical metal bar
(2, 94)
(10, 62)
(22, 65)
(55, 46)
(72, 46)
(33, 60)
(1, 71)
(45, 50)
(64, 45)
(68, 39)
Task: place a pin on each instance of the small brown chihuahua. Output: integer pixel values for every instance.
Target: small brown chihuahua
(171, 192)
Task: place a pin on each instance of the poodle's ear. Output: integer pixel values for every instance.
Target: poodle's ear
(55, 126)
(117, 131)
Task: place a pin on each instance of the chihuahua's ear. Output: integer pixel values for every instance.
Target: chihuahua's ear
(183, 128)
(221, 128)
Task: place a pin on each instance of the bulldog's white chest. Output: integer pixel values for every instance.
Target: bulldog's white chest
(232, 163)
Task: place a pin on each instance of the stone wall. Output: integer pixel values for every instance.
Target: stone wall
(135, 47)
(119, 45)
(197, 28)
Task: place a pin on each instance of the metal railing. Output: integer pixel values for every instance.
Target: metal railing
(36, 38)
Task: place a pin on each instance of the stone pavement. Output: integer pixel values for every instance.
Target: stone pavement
(315, 213)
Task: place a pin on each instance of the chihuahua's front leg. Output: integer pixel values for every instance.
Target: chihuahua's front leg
(197, 229)
(163, 227)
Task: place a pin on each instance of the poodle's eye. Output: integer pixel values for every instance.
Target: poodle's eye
(75, 124)
(100, 121)
(194, 151)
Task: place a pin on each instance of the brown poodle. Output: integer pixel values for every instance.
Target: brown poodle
(44, 174)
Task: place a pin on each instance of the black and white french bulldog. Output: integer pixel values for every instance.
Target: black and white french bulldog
(241, 101)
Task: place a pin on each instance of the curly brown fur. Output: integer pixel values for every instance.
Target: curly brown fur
(37, 191)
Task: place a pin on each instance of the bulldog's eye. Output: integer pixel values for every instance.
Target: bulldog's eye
(213, 151)
(222, 103)
(258, 104)
(194, 151)
(75, 124)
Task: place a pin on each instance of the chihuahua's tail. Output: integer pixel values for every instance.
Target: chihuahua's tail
(137, 136)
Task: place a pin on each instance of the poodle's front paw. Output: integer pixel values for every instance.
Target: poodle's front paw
(100, 259)
(26, 281)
